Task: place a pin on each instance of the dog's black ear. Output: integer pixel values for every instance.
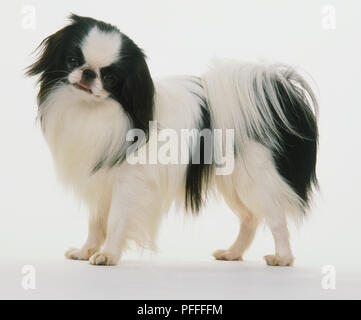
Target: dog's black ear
(50, 52)
(137, 94)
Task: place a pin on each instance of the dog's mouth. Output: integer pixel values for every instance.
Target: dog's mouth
(82, 87)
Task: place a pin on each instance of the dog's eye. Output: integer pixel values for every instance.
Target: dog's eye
(109, 80)
(72, 62)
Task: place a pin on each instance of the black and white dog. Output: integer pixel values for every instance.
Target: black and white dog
(96, 89)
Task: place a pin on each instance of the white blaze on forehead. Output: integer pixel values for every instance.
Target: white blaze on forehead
(100, 49)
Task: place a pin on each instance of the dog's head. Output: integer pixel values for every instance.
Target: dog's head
(97, 62)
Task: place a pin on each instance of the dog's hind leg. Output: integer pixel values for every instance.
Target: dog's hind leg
(248, 227)
(278, 225)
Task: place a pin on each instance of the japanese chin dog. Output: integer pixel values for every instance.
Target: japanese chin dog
(116, 137)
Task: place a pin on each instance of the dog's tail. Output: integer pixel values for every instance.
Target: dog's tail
(273, 105)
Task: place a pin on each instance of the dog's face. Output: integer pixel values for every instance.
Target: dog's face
(93, 65)
(96, 61)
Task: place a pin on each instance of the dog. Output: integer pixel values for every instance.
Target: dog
(100, 109)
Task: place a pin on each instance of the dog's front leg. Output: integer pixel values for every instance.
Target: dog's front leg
(96, 233)
(134, 214)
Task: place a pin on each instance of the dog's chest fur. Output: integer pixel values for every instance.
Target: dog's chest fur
(80, 133)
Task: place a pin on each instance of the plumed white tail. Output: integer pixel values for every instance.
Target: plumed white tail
(273, 106)
(245, 97)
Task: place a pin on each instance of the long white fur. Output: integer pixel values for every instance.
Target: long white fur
(232, 98)
(128, 201)
(237, 82)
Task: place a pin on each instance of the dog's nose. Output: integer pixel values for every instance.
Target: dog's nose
(89, 75)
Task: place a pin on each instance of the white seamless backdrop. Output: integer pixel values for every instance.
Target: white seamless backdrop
(40, 220)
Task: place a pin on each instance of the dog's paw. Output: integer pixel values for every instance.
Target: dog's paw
(103, 259)
(228, 255)
(276, 260)
(79, 254)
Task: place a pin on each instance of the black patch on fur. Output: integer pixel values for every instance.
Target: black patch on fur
(134, 89)
(133, 86)
(296, 160)
(199, 173)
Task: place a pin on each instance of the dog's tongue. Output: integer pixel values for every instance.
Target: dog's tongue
(83, 85)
